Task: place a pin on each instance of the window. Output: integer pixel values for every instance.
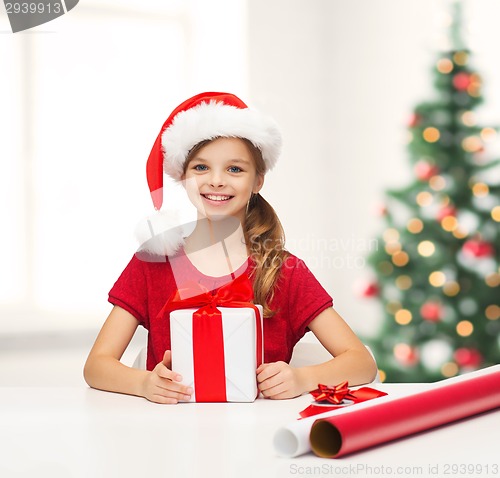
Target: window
(83, 100)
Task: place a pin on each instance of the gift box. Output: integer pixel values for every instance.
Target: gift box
(216, 340)
(218, 361)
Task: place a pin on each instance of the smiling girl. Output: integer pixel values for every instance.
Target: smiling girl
(221, 150)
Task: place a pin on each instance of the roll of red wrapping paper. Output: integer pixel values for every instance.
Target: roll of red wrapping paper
(336, 436)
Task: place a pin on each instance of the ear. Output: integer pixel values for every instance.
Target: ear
(259, 182)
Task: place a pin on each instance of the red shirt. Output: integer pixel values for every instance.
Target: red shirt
(148, 282)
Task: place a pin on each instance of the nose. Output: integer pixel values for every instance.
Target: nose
(216, 179)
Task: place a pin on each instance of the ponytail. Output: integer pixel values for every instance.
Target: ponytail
(265, 239)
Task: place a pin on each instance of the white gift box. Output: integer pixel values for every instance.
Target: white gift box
(240, 353)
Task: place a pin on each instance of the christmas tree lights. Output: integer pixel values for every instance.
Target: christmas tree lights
(438, 267)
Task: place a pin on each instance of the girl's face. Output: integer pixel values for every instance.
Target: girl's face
(221, 177)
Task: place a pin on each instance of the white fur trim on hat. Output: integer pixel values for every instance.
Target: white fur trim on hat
(216, 119)
(160, 234)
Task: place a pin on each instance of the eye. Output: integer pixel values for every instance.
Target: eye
(235, 169)
(200, 167)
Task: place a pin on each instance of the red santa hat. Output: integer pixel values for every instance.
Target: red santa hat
(205, 116)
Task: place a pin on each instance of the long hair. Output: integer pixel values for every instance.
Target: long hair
(264, 236)
(265, 239)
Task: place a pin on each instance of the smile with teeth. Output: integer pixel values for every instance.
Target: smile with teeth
(214, 197)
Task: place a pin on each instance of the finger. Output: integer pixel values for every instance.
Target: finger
(164, 400)
(159, 394)
(282, 396)
(270, 383)
(167, 358)
(270, 371)
(275, 391)
(261, 367)
(174, 387)
(174, 394)
(164, 372)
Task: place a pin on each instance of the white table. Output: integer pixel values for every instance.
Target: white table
(80, 432)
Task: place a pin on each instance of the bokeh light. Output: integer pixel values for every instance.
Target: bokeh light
(426, 248)
(449, 369)
(488, 134)
(493, 279)
(469, 118)
(492, 312)
(449, 223)
(431, 134)
(471, 144)
(400, 258)
(495, 213)
(461, 58)
(465, 328)
(424, 198)
(403, 282)
(437, 279)
(415, 226)
(444, 66)
(391, 235)
(480, 190)
(403, 317)
(451, 288)
(438, 183)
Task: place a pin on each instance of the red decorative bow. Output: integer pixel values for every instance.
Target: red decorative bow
(208, 340)
(336, 395)
(237, 293)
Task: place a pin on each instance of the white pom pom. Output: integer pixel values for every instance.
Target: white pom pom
(160, 234)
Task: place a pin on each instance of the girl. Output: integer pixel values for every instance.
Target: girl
(221, 149)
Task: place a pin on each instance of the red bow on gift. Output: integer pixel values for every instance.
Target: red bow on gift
(336, 395)
(208, 343)
(237, 293)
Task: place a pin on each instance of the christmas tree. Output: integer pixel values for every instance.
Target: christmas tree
(437, 264)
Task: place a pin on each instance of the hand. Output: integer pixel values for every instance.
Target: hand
(162, 385)
(278, 380)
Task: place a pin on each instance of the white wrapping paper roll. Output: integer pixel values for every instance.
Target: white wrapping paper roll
(293, 439)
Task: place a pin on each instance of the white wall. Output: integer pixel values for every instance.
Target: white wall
(341, 78)
(84, 96)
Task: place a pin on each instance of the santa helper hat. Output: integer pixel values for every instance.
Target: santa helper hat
(203, 117)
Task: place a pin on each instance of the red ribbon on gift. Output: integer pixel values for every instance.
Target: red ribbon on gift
(208, 339)
(336, 395)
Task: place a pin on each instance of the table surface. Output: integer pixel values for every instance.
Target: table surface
(81, 432)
